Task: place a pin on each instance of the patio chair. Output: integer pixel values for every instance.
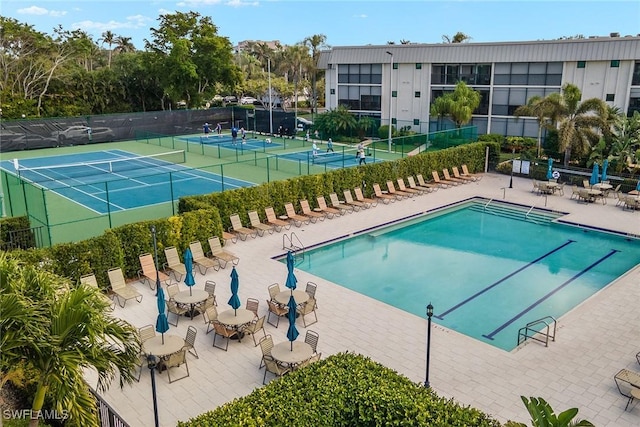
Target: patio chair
(201, 261)
(260, 228)
(146, 332)
(252, 305)
(277, 310)
(412, 185)
(309, 361)
(457, 174)
(391, 189)
(275, 221)
(465, 172)
(274, 289)
(306, 210)
(365, 200)
(403, 188)
(379, 195)
(221, 255)
(615, 191)
(90, 279)
(308, 308)
(628, 383)
(297, 219)
(447, 177)
(311, 338)
(224, 332)
(339, 204)
(266, 344)
(226, 236)
(173, 263)
(275, 368)
(120, 288)
(349, 201)
(330, 212)
(210, 288)
(442, 182)
(575, 192)
(311, 290)
(174, 361)
(190, 341)
(148, 272)
(255, 327)
(210, 316)
(423, 183)
(240, 229)
(586, 183)
(176, 310)
(172, 291)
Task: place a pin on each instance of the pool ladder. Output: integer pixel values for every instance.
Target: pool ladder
(539, 330)
(292, 243)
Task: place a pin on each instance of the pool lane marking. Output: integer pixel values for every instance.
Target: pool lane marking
(523, 312)
(494, 284)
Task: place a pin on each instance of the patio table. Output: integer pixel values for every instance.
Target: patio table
(282, 352)
(236, 319)
(301, 297)
(172, 344)
(191, 298)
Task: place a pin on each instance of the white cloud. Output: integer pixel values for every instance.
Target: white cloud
(240, 3)
(131, 22)
(196, 3)
(40, 11)
(58, 13)
(361, 16)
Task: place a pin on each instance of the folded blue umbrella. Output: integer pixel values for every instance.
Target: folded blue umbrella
(234, 301)
(550, 168)
(292, 332)
(162, 323)
(188, 266)
(595, 175)
(638, 186)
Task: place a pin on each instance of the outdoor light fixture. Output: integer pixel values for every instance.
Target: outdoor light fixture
(429, 314)
(390, 98)
(513, 153)
(270, 102)
(152, 364)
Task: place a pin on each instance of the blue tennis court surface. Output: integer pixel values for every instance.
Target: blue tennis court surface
(332, 160)
(116, 180)
(227, 142)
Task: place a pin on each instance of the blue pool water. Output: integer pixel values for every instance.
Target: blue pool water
(486, 275)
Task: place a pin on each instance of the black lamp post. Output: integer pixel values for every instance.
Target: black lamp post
(429, 314)
(513, 153)
(155, 249)
(152, 364)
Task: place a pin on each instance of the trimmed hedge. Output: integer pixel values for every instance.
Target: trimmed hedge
(343, 390)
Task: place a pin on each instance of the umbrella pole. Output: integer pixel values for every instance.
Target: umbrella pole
(163, 338)
(155, 249)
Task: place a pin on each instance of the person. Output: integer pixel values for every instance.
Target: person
(314, 149)
(243, 135)
(206, 130)
(362, 157)
(280, 131)
(360, 146)
(306, 137)
(234, 135)
(329, 145)
(316, 135)
(219, 129)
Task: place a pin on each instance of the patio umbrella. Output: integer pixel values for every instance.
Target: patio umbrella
(188, 266)
(638, 186)
(292, 332)
(605, 165)
(594, 175)
(234, 301)
(291, 278)
(550, 169)
(162, 324)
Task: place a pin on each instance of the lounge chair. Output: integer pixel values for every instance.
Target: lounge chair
(330, 212)
(423, 183)
(403, 188)
(339, 204)
(276, 222)
(456, 174)
(90, 279)
(348, 199)
(148, 272)
(442, 182)
(120, 288)
(259, 226)
(391, 189)
(365, 200)
(229, 236)
(200, 260)
(465, 172)
(628, 383)
(412, 184)
(297, 219)
(221, 255)
(173, 263)
(240, 229)
(313, 215)
(386, 198)
(447, 177)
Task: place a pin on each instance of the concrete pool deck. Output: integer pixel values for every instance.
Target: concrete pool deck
(594, 341)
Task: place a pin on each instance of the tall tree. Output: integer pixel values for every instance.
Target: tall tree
(461, 103)
(458, 37)
(124, 45)
(536, 107)
(315, 43)
(109, 38)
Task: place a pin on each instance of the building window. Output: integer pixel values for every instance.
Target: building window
(393, 121)
(333, 91)
(394, 94)
(615, 63)
(582, 64)
(610, 97)
(395, 65)
(418, 66)
(416, 122)
(417, 94)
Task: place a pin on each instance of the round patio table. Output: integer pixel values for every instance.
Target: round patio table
(602, 187)
(300, 296)
(282, 352)
(236, 319)
(172, 344)
(191, 298)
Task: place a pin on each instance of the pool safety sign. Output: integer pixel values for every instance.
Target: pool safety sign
(521, 166)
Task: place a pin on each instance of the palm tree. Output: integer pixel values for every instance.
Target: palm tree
(64, 332)
(365, 123)
(579, 124)
(440, 108)
(315, 43)
(124, 45)
(542, 415)
(535, 107)
(458, 37)
(109, 38)
(464, 101)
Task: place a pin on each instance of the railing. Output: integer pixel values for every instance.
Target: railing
(108, 416)
(487, 205)
(534, 329)
(292, 243)
(23, 239)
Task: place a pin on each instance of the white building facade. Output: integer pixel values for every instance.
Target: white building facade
(399, 82)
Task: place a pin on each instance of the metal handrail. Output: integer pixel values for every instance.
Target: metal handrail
(295, 244)
(547, 322)
(485, 206)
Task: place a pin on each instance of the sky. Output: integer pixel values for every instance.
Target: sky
(343, 22)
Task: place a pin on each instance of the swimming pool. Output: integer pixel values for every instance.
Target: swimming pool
(487, 271)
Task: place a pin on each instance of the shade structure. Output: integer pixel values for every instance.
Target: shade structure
(162, 324)
(595, 175)
(291, 278)
(234, 301)
(292, 331)
(605, 165)
(188, 266)
(550, 168)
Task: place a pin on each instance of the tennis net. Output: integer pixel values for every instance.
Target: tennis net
(80, 169)
(337, 156)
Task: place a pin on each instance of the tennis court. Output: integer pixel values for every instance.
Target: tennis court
(116, 180)
(341, 158)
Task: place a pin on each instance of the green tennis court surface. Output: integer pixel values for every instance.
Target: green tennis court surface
(117, 180)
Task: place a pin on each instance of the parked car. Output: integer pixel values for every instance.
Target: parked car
(230, 99)
(34, 141)
(248, 100)
(83, 135)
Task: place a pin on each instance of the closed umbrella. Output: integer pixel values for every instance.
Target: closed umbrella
(291, 278)
(188, 266)
(292, 332)
(550, 169)
(605, 165)
(595, 175)
(162, 324)
(234, 301)
(638, 186)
